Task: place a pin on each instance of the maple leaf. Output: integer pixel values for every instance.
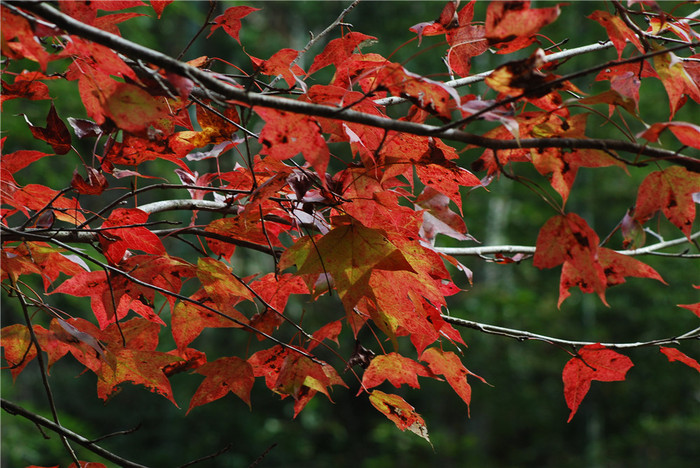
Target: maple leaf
(55, 133)
(448, 19)
(224, 288)
(429, 95)
(674, 355)
(227, 374)
(671, 192)
(562, 167)
(188, 320)
(38, 197)
(215, 129)
(676, 80)
(694, 308)
(365, 250)
(95, 184)
(27, 45)
(280, 64)
(448, 364)
(568, 240)
(618, 32)
(510, 26)
(395, 368)
(139, 367)
(124, 230)
(159, 5)
(687, 133)
(329, 331)
(13, 162)
(302, 378)
(615, 267)
(438, 218)
(593, 362)
(133, 109)
(338, 51)
(399, 412)
(626, 79)
(286, 134)
(26, 86)
(231, 20)
(18, 347)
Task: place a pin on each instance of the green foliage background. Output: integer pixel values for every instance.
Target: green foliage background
(652, 418)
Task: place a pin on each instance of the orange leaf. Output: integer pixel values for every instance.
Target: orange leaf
(687, 133)
(670, 191)
(516, 23)
(618, 32)
(448, 364)
(138, 367)
(395, 368)
(226, 374)
(594, 362)
(399, 412)
(364, 251)
(676, 80)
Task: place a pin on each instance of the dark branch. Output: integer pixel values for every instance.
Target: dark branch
(68, 434)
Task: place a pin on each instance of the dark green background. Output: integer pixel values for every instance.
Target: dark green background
(520, 420)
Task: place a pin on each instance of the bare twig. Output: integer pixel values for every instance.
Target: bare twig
(212, 7)
(14, 409)
(529, 250)
(522, 335)
(317, 37)
(42, 368)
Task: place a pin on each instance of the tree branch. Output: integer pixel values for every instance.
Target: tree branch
(526, 249)
(467, 80)
(522, 335)
(228, 92)
(14, 409)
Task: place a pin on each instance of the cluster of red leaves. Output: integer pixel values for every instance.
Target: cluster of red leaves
(374, 227)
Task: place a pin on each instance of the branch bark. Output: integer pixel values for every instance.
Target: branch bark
(241, 96)
(14, 409)
(530, 250)
(522, 335)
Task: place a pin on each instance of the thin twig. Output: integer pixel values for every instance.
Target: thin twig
(522, 335)
(317, 37)
(42, 368)
(529, 250)
(212, 7)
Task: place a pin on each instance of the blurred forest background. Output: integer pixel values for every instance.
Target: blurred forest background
(652, 418)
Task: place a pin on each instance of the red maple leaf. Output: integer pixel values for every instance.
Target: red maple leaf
(674, 355)
(338, 51)
(55, 133)
(285, 135)
(124, 230)
(231, 20)
(671, 192)
(448, 364)
(227, 374)
(510, 26)
(593, 362)
(618, 32)
(280, 64)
